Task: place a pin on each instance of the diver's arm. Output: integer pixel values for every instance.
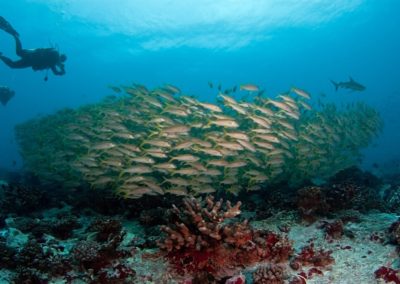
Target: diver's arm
(58, 72)
(14, 64)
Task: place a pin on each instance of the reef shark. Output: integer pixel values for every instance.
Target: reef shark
(351, 85)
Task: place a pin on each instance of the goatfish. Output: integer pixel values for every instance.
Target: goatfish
(351, 85)
(249, 88)
(301, 93)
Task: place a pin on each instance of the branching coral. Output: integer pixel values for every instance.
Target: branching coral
(206, 226)
(203, 240)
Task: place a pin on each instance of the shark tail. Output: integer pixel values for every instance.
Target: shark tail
(335, 84)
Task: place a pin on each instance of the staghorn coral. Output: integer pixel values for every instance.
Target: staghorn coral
(169, 138)
(206, 226)
(202, 240)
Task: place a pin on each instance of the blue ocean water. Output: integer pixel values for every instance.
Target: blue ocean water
(274, 44)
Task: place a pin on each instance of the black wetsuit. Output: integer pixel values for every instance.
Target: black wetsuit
(38, 59)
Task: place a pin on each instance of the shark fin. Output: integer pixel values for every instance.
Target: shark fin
(351, 79)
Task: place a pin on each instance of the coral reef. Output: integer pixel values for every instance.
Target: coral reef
(389, 275)
(310, 257)
(353, 189)
(7, 255)
(270, 274)
(311, 203)
(391, 198)
(21, 199)
(201, 240)
(106, 229)
(61, 227)
(394, 232)
(333, 230)
(350, 189)
(152, 217)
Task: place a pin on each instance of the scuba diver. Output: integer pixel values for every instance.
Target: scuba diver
(38, 59)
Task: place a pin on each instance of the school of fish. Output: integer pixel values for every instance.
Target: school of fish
(153, 142)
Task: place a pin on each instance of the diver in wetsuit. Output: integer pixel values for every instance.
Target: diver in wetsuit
(38, 59)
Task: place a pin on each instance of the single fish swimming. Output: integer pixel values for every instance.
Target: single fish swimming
(5, 94)
(351, 85)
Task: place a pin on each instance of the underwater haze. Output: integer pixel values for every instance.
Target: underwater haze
(274, 44)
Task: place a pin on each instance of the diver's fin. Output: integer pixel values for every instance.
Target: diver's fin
(335, 84)
(6, 26)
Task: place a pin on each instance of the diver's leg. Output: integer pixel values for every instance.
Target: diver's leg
(6, 26)
(13, 64)
(18, 47)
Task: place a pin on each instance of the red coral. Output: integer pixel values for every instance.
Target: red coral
(388, 274)
(313, 271)
(309, 257)
(198, 227)
(201, 241)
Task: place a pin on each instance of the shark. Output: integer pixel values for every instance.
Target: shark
(351, 85)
